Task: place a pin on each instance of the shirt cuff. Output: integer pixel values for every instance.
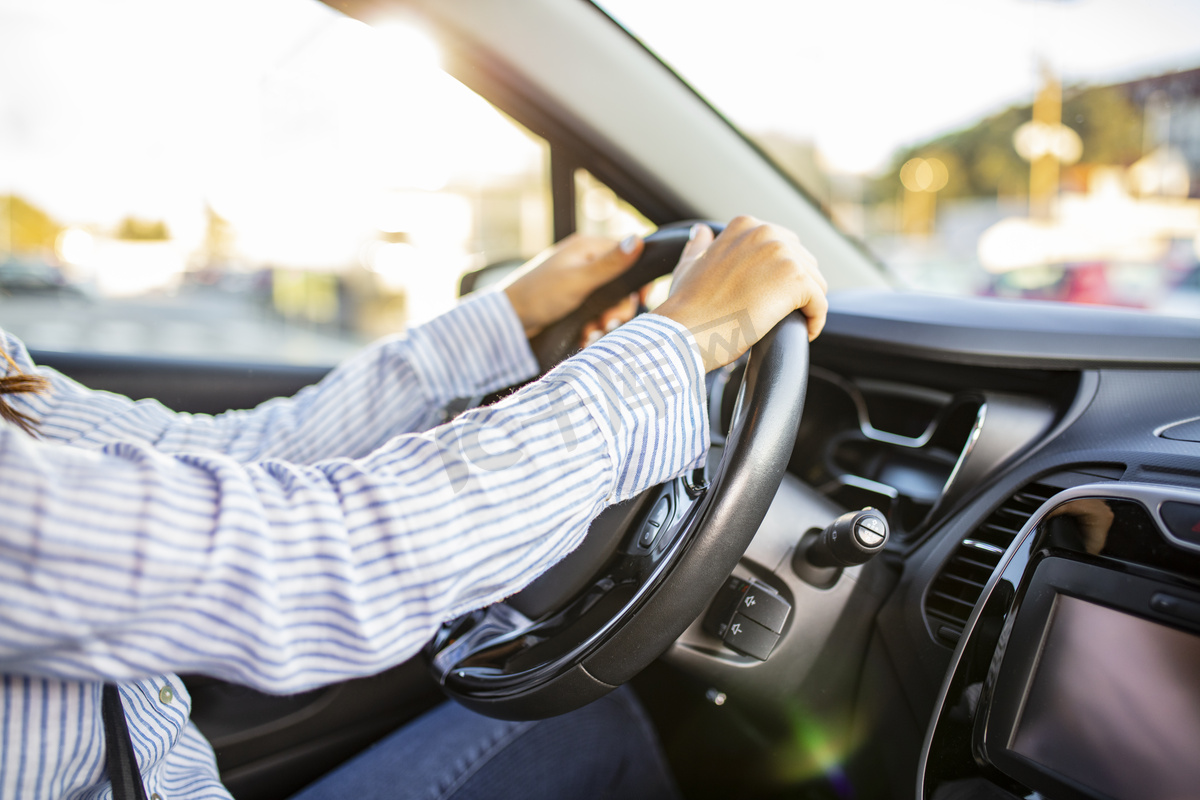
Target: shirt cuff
(475, 348)
(643, 384)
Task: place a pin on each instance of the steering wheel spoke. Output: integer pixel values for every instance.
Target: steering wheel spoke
(502, 647)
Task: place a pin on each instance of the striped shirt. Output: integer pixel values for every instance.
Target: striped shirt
(307, 541)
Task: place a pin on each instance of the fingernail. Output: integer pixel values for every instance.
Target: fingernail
(694, 232)
(592, 338)
(612, 325)
(628, 243)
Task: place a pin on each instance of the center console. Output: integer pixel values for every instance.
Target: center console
(1078, 675)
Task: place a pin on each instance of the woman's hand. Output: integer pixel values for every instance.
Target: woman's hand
(730, 291)
(554, 283)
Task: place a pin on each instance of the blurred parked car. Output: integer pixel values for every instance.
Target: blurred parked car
(1184, 299)
(23, 275)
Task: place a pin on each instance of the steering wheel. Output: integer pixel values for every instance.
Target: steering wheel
(615, 604)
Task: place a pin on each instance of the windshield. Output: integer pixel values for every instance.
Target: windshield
(1018, 148)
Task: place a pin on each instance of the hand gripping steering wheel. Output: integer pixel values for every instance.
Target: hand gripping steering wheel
(617, 602)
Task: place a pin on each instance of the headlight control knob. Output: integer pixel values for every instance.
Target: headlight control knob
(851, 539)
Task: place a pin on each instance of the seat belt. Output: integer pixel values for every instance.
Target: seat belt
(122, 762)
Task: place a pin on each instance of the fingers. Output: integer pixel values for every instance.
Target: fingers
(736, 286)
(813, 302)
(815, 309)
(557, 281)
(611, 264)
(619, 314)
(810, 264)
(610, 320)
(813, 286)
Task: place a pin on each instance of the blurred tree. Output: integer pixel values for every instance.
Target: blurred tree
(982, 161)
(1109, 123)
(136, 229)
(25, 227)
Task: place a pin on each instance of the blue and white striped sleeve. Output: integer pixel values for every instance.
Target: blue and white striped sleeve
(393, 387)
(126, 562)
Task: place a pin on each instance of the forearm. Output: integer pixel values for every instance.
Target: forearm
(393, 387)
(129, 562)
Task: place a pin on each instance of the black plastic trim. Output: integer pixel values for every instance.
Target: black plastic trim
(562, 191)
(195, 386)
(1010, 333)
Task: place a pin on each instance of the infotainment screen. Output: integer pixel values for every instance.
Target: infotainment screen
(1114, 704)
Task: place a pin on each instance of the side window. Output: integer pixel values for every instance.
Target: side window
(599, 211)
(256, 180)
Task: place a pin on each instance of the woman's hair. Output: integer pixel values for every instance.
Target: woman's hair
(16, 382)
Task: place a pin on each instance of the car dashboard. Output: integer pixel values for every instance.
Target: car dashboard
(1030, 460)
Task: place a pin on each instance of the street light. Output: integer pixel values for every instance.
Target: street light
(922, 179)
(1035, 140)
(1046, 143)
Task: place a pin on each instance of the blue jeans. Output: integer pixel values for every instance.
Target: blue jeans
(605, 750)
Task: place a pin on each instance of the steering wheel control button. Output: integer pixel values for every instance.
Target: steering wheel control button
(166, 695)
(748, 616)
(649, 534)
(656, 521)
(749, 638)
(764, 607)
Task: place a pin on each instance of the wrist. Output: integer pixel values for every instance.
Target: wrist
(718, 341)
(519, 305)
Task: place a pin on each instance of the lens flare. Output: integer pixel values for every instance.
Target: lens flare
(816, 749)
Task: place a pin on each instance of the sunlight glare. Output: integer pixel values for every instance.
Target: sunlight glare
(411, 47)
(75, 246)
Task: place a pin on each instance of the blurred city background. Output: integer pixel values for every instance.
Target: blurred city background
(270, 181)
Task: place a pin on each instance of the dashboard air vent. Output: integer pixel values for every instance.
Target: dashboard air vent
(957, 587)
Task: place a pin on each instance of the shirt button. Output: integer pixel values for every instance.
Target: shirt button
(165, 696)
(155, 796)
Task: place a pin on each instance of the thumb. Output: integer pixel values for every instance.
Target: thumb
(614, 262)
(699, 238)
(607, 266)
(620, 258)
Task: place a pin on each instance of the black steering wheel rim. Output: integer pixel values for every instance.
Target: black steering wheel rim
(473, 657)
